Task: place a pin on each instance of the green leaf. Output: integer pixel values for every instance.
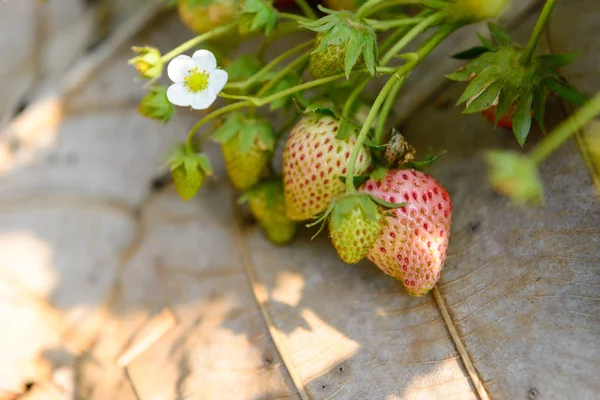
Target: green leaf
(471, 53)
(539, 105)
(346, 130)
(156, 105)
(477, 85)
(522, 119)
(560, 60)
(516, 176)
(485, 99)
(570, 94)
(231, 126)
(500, 35)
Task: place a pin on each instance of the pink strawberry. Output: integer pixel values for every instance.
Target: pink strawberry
(313, 161)
(412, 247)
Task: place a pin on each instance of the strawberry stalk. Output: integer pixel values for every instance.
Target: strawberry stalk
(399, 75)
(306, 9)
(252, 80)
(538, 30)
(294, 17)
(565, 130)
(372, 6)
(385, 110)
(190, 44)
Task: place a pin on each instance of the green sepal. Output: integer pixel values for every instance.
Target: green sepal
(539, 105)
(477, 85)
(485, 99)
(426, 162)
(204, 163)
(379, 173)
(516, 176)
(229, 128)
(338, 28)
(319, 109)
(522, 119)
(568, 93)
(501, 36)
(265, 15)
(347, 129)
(387, 204)
(507, 97)
(375, 147)
(487, 42)
(559, 60)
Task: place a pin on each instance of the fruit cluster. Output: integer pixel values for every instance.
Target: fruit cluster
(341, 168)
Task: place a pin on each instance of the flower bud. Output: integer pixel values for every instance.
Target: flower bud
(148, 63)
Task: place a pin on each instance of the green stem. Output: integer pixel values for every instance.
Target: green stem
(294, 17)
(285, 71)
(370, 6)
(306, 9)
(247, 83)
(538, 30)
(190, 44)
(390, 3)
(565, 130)
(283, 29)
(385, 25)
(400, 74)
(410, 36)
(223, 110)
(360, 86)
(385, 110)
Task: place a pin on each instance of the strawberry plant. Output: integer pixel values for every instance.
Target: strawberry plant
(342, 169)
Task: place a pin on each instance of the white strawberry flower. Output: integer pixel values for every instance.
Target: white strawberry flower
(197, 80)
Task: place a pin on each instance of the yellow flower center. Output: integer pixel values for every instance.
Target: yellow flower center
(196, 81)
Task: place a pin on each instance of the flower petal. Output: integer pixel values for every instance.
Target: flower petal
(179, 95)
(202, 100)
(217, 80)
(180, 67)
(205, 60)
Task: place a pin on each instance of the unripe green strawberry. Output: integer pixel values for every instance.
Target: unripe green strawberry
(267, 204)
(354, 225)
(313, 161)
(186, 182)
(412, 246)
(329, 61)
(247, 145)
(202, 16)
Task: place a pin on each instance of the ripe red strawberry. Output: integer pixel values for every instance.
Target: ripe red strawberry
(313, 161)
(505, 121)
(354, 225)
(412, 247)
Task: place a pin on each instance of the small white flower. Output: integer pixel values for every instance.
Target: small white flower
(197, 79)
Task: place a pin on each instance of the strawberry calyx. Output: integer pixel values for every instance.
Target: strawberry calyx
(156, 105)
(251, 130)
(500, 77)
(342, 43)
